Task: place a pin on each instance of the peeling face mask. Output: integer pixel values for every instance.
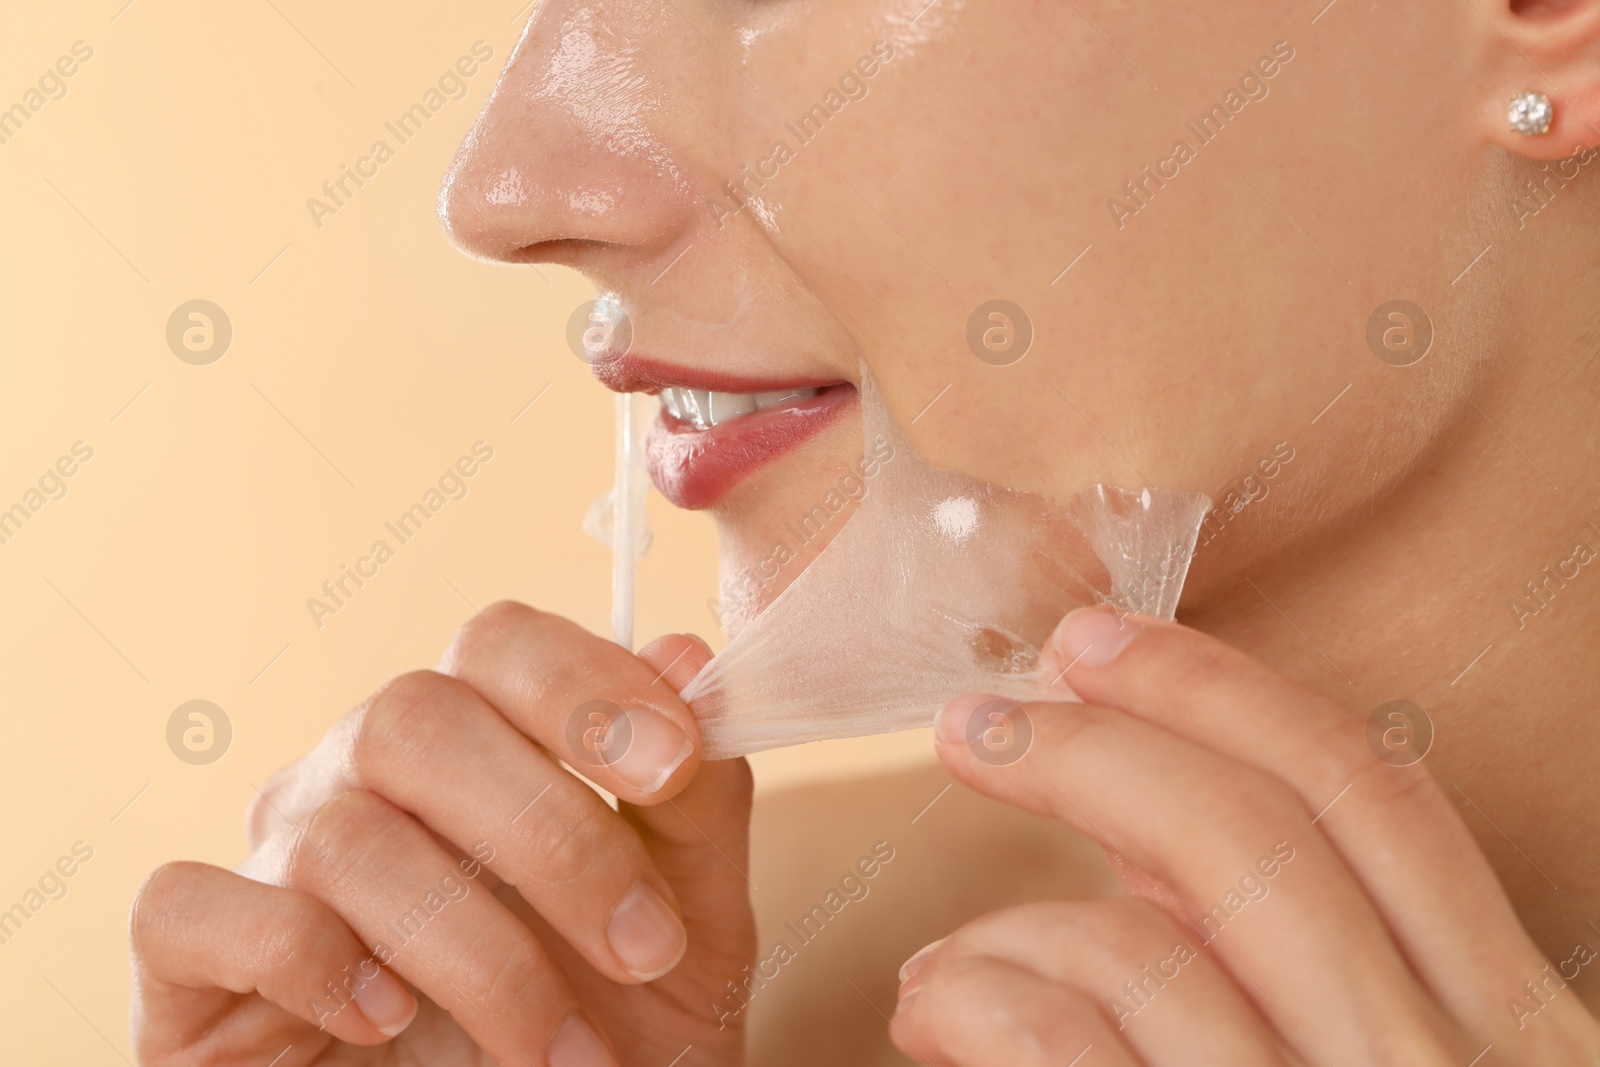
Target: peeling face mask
(937, 584)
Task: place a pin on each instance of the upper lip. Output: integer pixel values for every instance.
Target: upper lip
(641, 374)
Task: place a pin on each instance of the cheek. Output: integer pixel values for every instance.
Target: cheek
(980, 165)
(1175, 348)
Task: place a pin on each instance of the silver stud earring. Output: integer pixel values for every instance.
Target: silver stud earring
(1530, 113)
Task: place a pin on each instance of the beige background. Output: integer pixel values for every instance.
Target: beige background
(367, 356)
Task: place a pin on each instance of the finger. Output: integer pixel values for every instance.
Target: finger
(676, 658)
(589, 701)
(1392, 824)
(424, 917)
(1164, 991)
(983, 1012)
(700, 839)
(1253, 873)
(432, 746)
(202, 935)
(534, 698)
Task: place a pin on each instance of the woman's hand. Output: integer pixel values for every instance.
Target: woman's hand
(1296, 900)
(430, 886)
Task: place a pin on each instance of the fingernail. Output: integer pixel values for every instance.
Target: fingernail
(950, 725)
(655, 749)
(386, 1003)
(646, 934)
(1092, 637)
(910, 967)
(577, 1045)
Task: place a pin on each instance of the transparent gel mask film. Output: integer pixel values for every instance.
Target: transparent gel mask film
(937, 584)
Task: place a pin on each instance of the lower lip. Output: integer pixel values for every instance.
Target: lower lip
(695, 468)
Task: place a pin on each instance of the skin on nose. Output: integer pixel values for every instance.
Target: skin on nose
(576, 146)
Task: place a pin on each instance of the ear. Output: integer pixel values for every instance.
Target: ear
(1550, 47)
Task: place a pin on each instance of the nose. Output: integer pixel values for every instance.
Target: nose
(574, 149)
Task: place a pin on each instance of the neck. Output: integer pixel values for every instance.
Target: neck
(1472, 589)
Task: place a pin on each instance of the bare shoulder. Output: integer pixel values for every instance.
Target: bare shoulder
(852, 877)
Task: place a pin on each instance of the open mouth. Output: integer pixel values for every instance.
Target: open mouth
(704, 408)
(715, 430)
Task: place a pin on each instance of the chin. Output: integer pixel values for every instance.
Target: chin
(770, 529)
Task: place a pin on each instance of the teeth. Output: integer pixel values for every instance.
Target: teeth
(768, 400)
(726, 406)
(703, 409)
(669, 400)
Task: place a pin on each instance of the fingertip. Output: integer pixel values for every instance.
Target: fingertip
(950, 726)
(981, 728)
(661, 742)
(579, 1044)
(1092, 637)
(386, 1003)
(647, 933)
(653, 749)
(676, 658)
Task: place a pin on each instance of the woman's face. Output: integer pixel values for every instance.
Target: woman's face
(1195, 208)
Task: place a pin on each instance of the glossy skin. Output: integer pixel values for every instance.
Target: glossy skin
(1178, 344)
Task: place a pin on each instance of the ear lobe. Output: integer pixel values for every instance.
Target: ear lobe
(1550, 47)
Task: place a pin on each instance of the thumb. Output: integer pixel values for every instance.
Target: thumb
(678, 658)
